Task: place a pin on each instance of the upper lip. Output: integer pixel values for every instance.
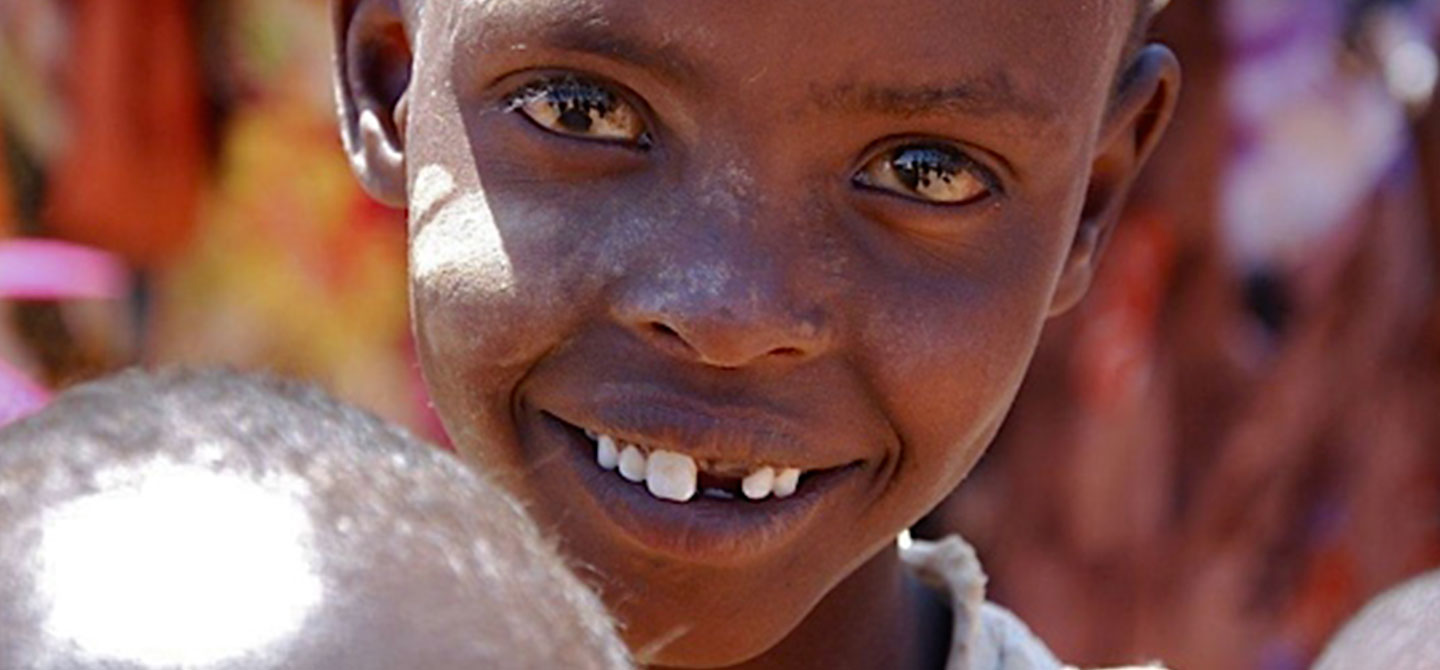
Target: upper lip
(708, 432)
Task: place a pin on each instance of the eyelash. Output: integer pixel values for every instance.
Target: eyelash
(578, 106)
(931, 163)
(574, 106)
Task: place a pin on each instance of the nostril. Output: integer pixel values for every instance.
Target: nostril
(670, 338)
(664, 331)
(719, 344)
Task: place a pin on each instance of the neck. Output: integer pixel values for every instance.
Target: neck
(878, 617)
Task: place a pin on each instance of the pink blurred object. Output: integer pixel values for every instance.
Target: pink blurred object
(19, 396)
(49, 270)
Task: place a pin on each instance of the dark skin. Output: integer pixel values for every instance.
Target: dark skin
(820, 239)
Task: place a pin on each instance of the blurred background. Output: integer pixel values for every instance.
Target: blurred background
(1227, 449)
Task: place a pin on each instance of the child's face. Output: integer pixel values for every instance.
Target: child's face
(767, 233)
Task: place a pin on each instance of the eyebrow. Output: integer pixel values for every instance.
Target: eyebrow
(989, 95)
(596, 36)
(986, 96)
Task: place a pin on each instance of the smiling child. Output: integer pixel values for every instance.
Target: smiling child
(731, 292)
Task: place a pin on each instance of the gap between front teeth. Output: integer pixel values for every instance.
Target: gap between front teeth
(668, 475)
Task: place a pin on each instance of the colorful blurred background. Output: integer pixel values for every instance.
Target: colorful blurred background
(1228, 448)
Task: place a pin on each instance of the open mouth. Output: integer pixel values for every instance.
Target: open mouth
(672, 476)
(710, 500)
(677, 477)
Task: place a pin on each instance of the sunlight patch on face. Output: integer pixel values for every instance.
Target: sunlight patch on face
(182, 567)
(726, 190)
(456, 238)
(701, 278)
(433, 185)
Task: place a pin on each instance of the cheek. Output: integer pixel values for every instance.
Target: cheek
(499, 278)
(457, 243)
(950, 354)
(462, 290)
(954, 385)
(483, 313)
(463, 281)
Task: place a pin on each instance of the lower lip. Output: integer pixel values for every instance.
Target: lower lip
(704, 530)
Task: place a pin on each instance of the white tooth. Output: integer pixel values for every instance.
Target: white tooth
(590, 434)
(606, 454)
(632, 464)
(786, 482)
(671, 476)
(758, 484)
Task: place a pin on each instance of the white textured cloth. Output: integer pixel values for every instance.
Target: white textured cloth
(987, 636)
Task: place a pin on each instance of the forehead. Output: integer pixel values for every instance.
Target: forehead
(1034, 59)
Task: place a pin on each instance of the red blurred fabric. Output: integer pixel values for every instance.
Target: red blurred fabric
(8, 224)
(1180, 480)
(129, 179)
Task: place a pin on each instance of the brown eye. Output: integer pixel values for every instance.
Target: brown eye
(580, 108)
(928, 172)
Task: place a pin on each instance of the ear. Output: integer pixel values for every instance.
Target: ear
(1139, 112)
(372, 78)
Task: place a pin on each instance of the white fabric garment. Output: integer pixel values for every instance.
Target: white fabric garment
(987, 636)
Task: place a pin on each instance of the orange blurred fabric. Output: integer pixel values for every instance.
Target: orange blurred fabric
(129, 180)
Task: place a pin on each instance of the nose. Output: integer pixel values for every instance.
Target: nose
(725, 314)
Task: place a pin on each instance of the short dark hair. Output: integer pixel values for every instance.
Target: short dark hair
(1140, 25)
(408, 542)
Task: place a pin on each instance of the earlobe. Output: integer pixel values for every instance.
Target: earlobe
(372, 78)
(1141, 108)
